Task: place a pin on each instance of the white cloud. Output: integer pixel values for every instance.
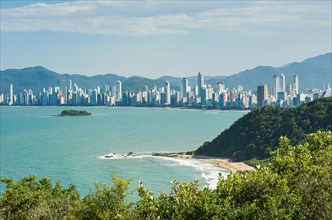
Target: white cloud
(161, 17)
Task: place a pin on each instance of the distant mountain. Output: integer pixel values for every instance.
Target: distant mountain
(37, 78)
(257, 133)
(313, 73)
(135, 83)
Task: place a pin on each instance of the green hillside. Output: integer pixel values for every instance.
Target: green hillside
(256, 134)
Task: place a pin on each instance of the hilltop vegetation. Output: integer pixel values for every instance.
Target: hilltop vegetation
(256, 134)
(72, 112)
(296, 184)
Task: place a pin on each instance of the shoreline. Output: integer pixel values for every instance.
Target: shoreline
(221, 162)
(120, 106)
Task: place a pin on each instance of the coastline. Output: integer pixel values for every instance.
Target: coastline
(221, 162)
(123, 106)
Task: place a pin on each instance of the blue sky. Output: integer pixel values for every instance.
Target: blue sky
(156, 38)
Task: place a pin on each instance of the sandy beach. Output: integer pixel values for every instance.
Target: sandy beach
(225, 163)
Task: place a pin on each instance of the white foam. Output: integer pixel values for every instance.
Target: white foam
(123, 156)
(209, 172)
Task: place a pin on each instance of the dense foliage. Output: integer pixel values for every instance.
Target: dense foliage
(74, 113)
(256, 134)
(296, 184)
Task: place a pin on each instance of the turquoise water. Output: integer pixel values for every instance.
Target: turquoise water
(69, 149)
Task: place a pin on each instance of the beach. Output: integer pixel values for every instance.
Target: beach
(221, 162)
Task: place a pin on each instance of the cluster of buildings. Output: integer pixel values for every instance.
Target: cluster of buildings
(201, 95)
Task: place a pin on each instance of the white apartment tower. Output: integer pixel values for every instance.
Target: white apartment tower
(118, 91)
(11, 95)
(276, 85)
(167, 92)
(296, 84)
(283, 82)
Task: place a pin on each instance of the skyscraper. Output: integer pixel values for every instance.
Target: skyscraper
(64, 91)
(262, 95)
(289, 89)
(11, 95)
(93, 97)
(283, 83)
(167, 93)
(70, 85)
(200, 83)
(296, 84)
(276, 85)
(70, 92)
(118, 91)
(184, 88)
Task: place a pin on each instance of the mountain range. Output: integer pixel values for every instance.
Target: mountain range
(314, 72)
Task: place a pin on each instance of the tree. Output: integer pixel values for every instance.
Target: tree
(107, 201)
(29, 199)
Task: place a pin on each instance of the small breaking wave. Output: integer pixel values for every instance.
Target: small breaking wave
(209, 172)
(122, 156)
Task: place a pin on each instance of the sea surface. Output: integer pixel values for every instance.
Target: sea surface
(72, 149)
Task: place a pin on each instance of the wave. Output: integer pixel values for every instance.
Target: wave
(209, 172)
(122, 156)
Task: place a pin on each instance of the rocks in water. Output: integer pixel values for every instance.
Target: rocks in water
(189, 153)
(119, 156)
(165, 154)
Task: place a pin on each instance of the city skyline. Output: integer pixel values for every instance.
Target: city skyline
(201, 95)
(153, 38)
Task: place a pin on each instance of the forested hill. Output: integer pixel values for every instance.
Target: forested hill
(256, 134)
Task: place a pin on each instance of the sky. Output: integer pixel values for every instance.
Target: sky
(157, 38)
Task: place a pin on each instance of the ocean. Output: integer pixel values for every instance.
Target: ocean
(72, 149)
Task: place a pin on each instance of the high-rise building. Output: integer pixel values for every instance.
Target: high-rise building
(2, 97)
(70, 85)
(200, 83)
(209, 92)
(262, 95)
(64, 92)
(283, 82)
(93, 97)
(296, 84)
(167, 93)
(289, 89)
(118, 97)
(196, 91)
(276, 85)
(11, 95)
(184, 88)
